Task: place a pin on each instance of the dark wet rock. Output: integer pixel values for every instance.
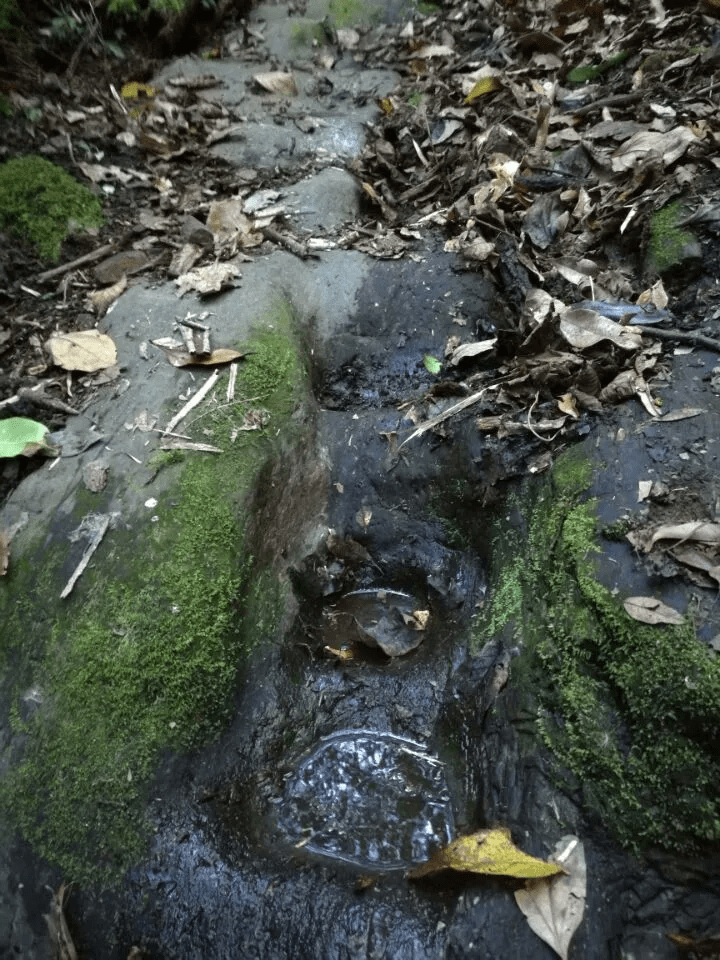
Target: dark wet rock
(377, 617)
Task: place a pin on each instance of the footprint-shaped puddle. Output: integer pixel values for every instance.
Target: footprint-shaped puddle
(368, 798)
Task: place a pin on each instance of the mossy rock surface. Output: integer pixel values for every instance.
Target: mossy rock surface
(44, 204)
(144, 655)
(630, 710)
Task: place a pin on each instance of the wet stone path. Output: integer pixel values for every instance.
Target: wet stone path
(363, 735)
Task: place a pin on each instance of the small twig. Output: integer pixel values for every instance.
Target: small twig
(532, 429)
(285, 240)
(697, 339)
(455, 408)
(194, 401)
(102, 522)
(79, 262)
(620, 99)
(39, 399)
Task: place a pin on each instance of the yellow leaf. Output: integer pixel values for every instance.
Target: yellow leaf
(490, 852)
(484, 85)
(386, 105)
(132, 90)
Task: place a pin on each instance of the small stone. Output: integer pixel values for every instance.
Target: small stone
(95, 475)
(114, 268)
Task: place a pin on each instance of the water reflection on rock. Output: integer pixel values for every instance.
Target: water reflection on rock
(368, 798)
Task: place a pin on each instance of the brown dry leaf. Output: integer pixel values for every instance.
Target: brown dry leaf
(702, 532)
(655, 295)
(418, 620)
(554, 906)
(584, 328)
(363, 517)
(696, 560)
(629, 384)
(567, 404)
(471, 350)
(488, 852)
(277, 81)
(215, 357)
(86, 350)
(650, 610)
(684, 413)
(342, 653)
(668, 146)
(227, 221)
(100, 300)
(184, 259)
(210, 279)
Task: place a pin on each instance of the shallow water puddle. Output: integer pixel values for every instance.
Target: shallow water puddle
(369, 798)
(388, 619)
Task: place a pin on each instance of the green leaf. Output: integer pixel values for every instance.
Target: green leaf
(22, 437)
(432, 364)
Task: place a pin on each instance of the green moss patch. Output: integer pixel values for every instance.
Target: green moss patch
(146, 654)
(44, 204)
(668, 241)
(350, 13)
(631, 710)
(308, 34)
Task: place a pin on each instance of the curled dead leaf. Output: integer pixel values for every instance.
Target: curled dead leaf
(277, 81)
(584, 328)
(554, 906)
(704, 532)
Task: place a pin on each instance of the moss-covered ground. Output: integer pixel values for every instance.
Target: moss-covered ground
(42, 203)
(633, 711)
(146, 654)
(667, 239)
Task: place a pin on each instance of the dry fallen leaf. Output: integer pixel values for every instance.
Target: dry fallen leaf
(100, 300)
(567, 404)
(584, 328)
(178, 356)
(471, 350)
(696, 560)
(363, 517)
(704, 532)
(650, 610)
(488, 852)
(210, 279)
(554, 906)
(86, 350)
(669, 146)
(277, 81)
